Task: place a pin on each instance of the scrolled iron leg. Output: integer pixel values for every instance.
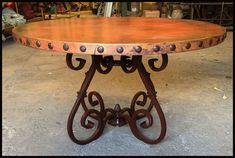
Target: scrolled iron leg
(116, 116)
(80, 100)
(151, 93)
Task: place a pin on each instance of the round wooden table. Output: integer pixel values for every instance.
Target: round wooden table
(129, 38)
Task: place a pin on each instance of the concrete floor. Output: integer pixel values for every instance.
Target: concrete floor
(195, 92)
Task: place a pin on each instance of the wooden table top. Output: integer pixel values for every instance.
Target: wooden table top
(119, 35)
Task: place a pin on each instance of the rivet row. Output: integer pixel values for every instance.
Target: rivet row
(120, 49)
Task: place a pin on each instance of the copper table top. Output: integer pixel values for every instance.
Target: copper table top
(119, 35)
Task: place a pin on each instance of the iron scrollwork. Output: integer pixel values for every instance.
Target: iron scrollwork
(70, 63)
(116, 116)
(141, 103)
(129, 65)
(106, 62)
(163, 65)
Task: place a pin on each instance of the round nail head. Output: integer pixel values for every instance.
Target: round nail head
(138, 49)
(66, 47)
(100, 49)
(38, 44)
(172, 47)
(50, 46)
(156, 48)
(188, 45)
(82, 48)
(120, 49)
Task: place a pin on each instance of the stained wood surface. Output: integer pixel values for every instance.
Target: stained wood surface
(119, 35)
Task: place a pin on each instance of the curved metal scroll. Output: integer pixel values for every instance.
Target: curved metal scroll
(144, 124)
(138, 102)
(145, 76)
(135, 101)
(70, 63)
(163, 65)
(116, 116)
(95, 102)
(88, 112)
(106, 62)
(129, 65)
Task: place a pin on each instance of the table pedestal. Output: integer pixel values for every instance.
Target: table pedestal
(117, 116)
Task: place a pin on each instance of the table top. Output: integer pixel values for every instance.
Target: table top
(119, 35)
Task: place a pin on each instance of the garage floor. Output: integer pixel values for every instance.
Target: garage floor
(195, 92)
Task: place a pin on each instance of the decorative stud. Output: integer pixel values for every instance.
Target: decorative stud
(50, 46)
(82, 48)
(66, 46)
(172, 47)
(120, 49)
(188, 45)
(137, 49)
(156, 48)
(38, 44)
(100, 49)
(200, 44)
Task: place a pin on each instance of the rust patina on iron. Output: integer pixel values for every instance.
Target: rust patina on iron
(117, 116)
(120, 36)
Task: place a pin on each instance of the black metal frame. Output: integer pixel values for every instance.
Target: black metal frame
(117, 116)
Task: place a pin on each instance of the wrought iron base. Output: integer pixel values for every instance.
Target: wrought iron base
(116, 116)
